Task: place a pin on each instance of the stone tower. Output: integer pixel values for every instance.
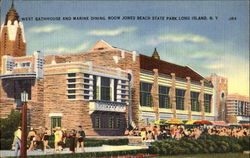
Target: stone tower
(12, 40)
(220, 96)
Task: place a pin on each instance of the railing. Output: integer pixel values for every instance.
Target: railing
(101, 105)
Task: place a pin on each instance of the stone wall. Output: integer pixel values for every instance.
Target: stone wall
(76, 112)
(6, 105)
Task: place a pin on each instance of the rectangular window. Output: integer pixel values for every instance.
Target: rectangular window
(110, 122)
(207, 102)
(71, 91)
(71, 80)
(97, 122)
(105, 88)
(27, 64)
(118, 123)
(95, 88)
(55, 122)
(71, 96)
(72, 75)
(86, 97)
(195, 106)
(145, 94)
(241, 108)
(164, 100)
(71, 86)
(115, 89)
(86, 86)
(86, 75)
(180, 96)
(123, 91)
(86, 92)
(86, 80)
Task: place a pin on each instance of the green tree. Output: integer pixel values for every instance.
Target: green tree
(9, 125)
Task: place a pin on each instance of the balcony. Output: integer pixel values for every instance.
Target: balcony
(19, 76)
(100, 105)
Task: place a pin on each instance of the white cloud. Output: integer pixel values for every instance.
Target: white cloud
(45, 29)
(202, 54)
(59, 50)
(178, 38)
(112, 32)
(184, 38)
(215, 66)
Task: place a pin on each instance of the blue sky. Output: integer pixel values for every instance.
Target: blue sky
(208, 46)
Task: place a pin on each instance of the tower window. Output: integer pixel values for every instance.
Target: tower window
(19, 40)
(5, 40)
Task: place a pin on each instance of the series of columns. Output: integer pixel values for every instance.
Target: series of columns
(187, 101)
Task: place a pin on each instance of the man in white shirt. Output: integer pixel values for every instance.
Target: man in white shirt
(17, 140)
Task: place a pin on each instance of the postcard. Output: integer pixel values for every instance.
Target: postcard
(132, 73)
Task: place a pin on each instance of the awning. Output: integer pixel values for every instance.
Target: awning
(160, 122)
(219, 123)
(234, 124)
(203, 122)
(246, 125)
(175, 121)
(190, 122)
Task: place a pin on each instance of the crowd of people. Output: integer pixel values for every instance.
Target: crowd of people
(39, 138)
(152, 133)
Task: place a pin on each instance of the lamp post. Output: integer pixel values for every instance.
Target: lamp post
(24, 100)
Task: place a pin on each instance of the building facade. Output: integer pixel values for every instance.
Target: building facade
(103, 89)
(220, 92)
(238, 109)
(172, 91)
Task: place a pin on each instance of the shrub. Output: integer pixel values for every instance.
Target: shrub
(7, 128)
(205, 144)
(244, 142)
(96, 154)
(236, 148)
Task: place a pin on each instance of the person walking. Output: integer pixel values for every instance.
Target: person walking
(64, 136)
(17, 140)
(143, 135)
(80, 138)
(58, 138)
(72, 138)
(38, 138)
(155, 132)
(31, 138)
(45, 139)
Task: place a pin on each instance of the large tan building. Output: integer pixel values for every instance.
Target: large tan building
(102, 89)
(238, 109)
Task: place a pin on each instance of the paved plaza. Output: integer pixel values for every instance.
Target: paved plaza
(7, 153)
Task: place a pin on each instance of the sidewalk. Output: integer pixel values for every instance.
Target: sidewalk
(6, 153)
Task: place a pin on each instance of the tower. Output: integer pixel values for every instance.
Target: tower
(220, 96)
(156, 55)
(12, 40)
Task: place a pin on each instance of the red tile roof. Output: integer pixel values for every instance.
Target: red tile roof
(149, 63)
